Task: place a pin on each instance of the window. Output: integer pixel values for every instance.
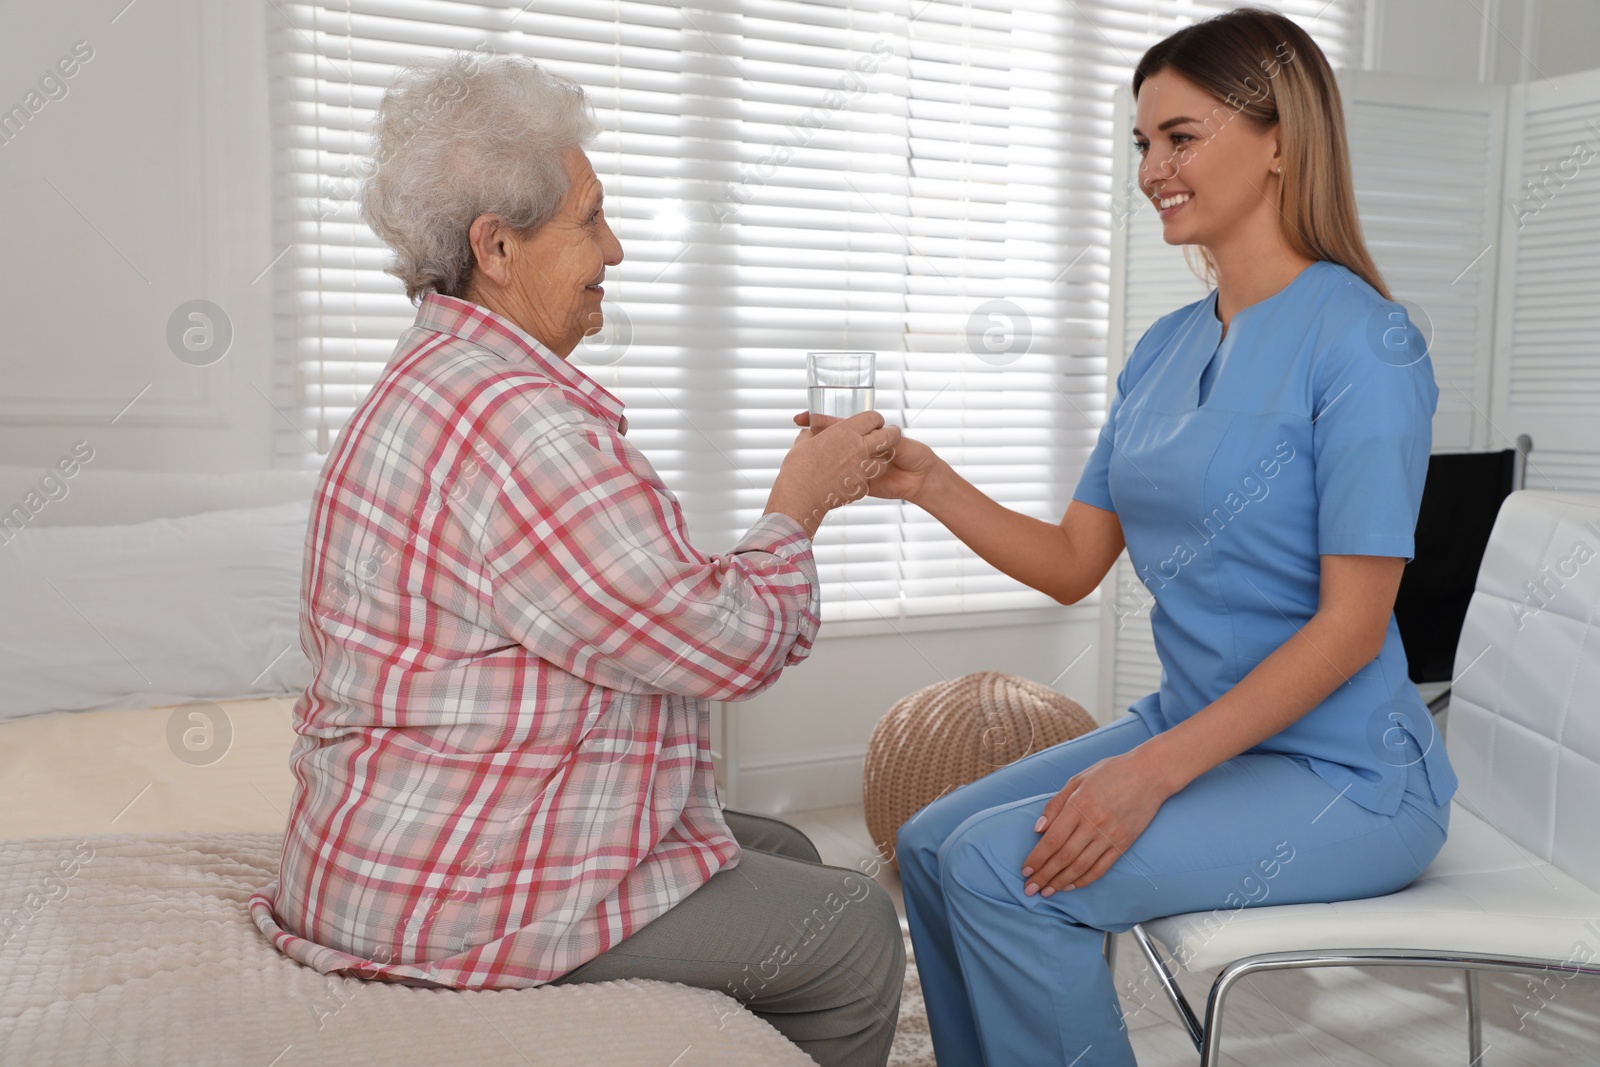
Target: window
(925, 179)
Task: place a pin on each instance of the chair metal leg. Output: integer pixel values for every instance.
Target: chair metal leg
(1208, 1037)
(1471, 963)
(1174, 994)
(1474, 1022)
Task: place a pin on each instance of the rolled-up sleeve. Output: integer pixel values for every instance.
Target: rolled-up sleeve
(590, 567)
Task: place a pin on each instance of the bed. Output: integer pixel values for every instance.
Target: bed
(150, 660)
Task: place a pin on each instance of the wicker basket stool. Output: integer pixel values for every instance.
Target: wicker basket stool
(951, 733)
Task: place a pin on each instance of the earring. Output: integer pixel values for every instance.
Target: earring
(1277, 170)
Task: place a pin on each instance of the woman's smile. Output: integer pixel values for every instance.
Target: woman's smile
(1168, 206)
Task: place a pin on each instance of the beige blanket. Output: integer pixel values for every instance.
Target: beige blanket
(123, 949)
(85, 772)
(125, 938)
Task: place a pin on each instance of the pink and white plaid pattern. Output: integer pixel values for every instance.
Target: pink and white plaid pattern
(503, 763)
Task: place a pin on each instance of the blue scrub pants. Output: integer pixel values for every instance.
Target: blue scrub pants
(1012, 980)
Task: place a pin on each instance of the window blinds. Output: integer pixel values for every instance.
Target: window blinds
(925, 179)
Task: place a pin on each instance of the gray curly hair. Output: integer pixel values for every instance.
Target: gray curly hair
(460, 137)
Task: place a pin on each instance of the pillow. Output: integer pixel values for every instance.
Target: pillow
(131, 616)
(77, 491)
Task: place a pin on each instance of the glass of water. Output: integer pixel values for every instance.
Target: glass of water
(840, 382)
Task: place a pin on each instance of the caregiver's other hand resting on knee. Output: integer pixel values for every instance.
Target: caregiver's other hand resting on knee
(1093, 821)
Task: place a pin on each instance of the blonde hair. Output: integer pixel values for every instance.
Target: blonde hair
(1266, 68)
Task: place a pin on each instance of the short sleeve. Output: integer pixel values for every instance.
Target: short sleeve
(1094, 484)
(1373, 399)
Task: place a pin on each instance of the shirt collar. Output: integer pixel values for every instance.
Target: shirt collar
(502, 337)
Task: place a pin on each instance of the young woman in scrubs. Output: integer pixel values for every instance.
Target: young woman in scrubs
(1262, 461)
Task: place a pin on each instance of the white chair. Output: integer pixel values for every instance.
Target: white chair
(1517, 885)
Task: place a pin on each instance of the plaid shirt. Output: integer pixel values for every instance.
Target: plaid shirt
(503, 762)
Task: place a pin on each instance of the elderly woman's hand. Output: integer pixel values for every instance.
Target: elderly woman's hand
(907, 469)
(904, 475)
(831, 465)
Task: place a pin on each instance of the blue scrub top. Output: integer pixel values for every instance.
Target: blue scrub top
(1234, 465)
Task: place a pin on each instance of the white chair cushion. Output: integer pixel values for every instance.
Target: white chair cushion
(1482, 893)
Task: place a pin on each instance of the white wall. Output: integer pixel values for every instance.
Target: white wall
(148, 185)
(145, 186)
(802, 743)
(1485, 40)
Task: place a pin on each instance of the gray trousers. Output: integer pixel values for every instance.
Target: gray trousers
(812, 949)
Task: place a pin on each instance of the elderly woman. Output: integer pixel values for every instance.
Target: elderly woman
(503, 772)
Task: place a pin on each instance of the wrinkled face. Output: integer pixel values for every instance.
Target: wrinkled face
(1205, 154)
(560, 265)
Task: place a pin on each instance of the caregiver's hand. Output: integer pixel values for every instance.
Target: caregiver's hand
(831, 465)
(1091, 822)
(906, 473)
